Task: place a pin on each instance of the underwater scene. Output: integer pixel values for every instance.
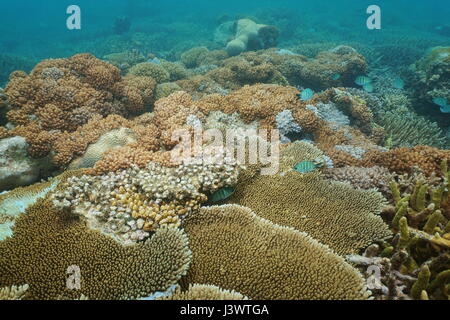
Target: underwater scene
(225, 150)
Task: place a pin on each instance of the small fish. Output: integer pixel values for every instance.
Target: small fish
(368, 87)
(362, 80)
(222, 194)
(442, 102)
(306, 94)
(399, 83)
(336, 76)
(445, 109)
(305, 167)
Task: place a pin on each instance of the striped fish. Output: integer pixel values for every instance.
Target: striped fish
(362, 80)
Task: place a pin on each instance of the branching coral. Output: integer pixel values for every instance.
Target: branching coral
(131, 203)
(235, 249)
(47, 242)
(414, 264)
(148, 69)
(409, 129)
(363, 178)
(61, 95)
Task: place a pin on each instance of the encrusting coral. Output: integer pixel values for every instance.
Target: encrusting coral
(235, 249)
(204, 292)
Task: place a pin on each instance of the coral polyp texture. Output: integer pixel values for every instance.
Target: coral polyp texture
(231, 242)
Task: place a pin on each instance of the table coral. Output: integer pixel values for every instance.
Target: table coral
(108, 269)
(13, 292)
(309, 203)
(235, 249)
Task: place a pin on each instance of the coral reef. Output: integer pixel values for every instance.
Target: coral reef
(131, 203)
(230, 242)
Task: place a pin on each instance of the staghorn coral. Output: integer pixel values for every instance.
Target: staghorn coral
(13, 292)
(61, 95)
(309, 203)
(204, 292)
(415, 262)
(235, 249)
